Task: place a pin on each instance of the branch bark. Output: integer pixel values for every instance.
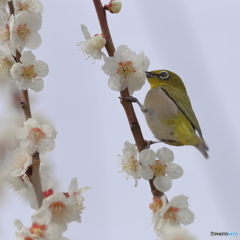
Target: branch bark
(128, 107)
(33, 172)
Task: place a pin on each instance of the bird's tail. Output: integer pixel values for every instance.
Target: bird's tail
(202, 147)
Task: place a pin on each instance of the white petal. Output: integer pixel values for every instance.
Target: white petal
(145, 62)
(174, 170)
(31, 123)
(24, 85)
(138, 80)
(147, 157)
(46, 146)
(83, 190)
(49, 130)
(41, 68)
(110, 66)
(185, 216)
(162, 183)
(129, 150)
(28, 57)
(37, 85)
(34, 41)
(85, 32)
(115, 82)
(146, 172)
(165, 155)
(180, 201)
(73, 185)
(16, 70)
(18, 224)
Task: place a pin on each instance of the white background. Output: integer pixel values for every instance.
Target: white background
(198, 40)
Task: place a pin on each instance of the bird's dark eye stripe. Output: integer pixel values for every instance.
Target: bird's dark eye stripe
(163, 75)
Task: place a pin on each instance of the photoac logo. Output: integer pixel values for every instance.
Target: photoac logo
(223, 234)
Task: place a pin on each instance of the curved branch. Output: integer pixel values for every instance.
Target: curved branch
(128, 107)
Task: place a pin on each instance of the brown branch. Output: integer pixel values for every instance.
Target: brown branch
(11, 7)
(128, 107)
(33, 172)
(34, 178)
(26, 104)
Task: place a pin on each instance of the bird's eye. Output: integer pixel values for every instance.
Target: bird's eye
(164, 75)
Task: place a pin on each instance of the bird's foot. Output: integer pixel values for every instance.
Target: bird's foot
(149, 143)
(135, 100)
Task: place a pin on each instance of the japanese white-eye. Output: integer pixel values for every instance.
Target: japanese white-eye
(169, 112)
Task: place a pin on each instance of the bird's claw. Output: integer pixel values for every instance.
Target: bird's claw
(135, 100)
(130, 99)
(148, 143)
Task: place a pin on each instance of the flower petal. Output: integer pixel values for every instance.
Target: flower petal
(162, 183)
(174, 170)
(146, 172)
(165, 155)
(147, 157)
(185, 216)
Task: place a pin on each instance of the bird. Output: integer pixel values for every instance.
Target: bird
(168, 111)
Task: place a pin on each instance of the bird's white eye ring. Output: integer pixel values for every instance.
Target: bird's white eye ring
(163, 75)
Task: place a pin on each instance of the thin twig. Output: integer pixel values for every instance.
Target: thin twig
(128, 107)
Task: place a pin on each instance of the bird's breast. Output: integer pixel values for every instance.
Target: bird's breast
(160, 109)
(160, 105)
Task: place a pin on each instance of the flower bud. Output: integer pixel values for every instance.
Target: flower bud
(98, 41)
(114, 6)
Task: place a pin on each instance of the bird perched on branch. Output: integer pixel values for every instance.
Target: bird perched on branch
(168, 111)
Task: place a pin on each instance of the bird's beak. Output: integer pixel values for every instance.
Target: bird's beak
(149, 74)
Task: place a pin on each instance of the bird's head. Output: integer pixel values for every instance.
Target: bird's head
(164, 77)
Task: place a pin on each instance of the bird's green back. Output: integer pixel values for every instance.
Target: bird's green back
(182, 101)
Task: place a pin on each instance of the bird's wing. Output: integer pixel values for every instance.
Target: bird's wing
(182, 101)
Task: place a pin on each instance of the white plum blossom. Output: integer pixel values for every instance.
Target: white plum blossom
(20, 160)
(93, 45)
(35, 137)
(24, 30)
(170, 214)
(114, 6)
(162, 169)
(41, 228)
(14, 173)
(28, 5)
(6, 63)
(126, 69)
(176, 233)
(29, 73)
(74, 191)
(4, 28)
(16, 183)
(129, 162)
(177, 210)
(64, 207)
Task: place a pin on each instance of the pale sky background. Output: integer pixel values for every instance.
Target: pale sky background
(198, 40)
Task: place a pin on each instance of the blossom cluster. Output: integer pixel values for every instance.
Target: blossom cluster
(19, 31)
(20, 21)
(125, 69)
(149, 165)
(58, 208)
(168, 215)
(159, 166)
